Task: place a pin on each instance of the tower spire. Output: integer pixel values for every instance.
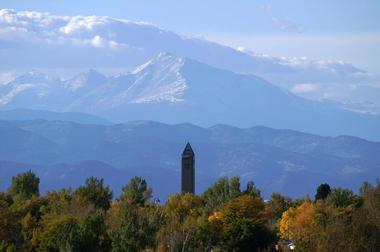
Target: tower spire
(188, 170)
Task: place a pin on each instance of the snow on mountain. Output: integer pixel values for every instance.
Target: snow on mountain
(80, 81)
(29, 86)
(159, 80)
(175, 89)
(30, 39)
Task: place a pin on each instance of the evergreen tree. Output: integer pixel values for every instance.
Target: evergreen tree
(137, 192)
(323, 191)
(25, 185)
(252, 190)
(95, 192)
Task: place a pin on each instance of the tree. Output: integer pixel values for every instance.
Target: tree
(299, 225)
(243, 225)
(366, 221)
(25, 185)
(60, 233)
(182, 212)
(235, 187)
(137, 192)
(323, 191)
(340, 197)
(135, 220)
(366, 187)
(251, 189)
(68, 233)
(93, 233)
(217, 195)
(95, 192)
(278, 204)
(137, 227)
(10, 227)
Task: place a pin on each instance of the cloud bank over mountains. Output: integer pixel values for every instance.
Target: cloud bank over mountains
(33, 40)
(38, 27)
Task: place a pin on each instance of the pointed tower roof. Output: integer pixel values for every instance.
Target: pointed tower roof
(188, 151)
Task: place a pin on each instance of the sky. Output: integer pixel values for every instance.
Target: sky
(345, 30)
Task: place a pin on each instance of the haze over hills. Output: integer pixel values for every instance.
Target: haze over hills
(277, 160)
(29, 114)
(174, 90)
(29, 39)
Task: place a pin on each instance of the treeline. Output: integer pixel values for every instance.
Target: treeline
(226, 217)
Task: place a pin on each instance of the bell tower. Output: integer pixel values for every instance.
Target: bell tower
(188, 170)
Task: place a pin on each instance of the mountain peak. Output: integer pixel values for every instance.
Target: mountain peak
(163, 58)
(91, 77)
(159, 79)
(32, 77)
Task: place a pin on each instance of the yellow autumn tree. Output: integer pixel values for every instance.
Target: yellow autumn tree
(182, 213)
(243, 224)
(299, 225)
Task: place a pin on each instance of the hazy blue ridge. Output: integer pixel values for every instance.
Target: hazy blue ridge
(291, 162)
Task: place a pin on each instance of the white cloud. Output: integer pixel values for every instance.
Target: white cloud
(359, 48)
(304, 88)
(95, 31)
(79, 24)
(98, 41)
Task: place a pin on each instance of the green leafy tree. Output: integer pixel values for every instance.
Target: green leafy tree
(60, 233)
(182, 212)
(339, 197)
(217, 195)
(68, 233)
(95, 192)
(10, 226)
(234, 187)
(137, 228)
(225, 189)
(137, 192)
(93, 233)
(135, 220)
(252, 190)
(244, 226)
(25, 185)
(366, 187)
(323, 191)
(277, 205)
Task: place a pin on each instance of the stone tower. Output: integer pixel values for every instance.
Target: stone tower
(188, 170)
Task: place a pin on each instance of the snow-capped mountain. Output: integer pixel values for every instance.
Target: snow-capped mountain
(175, 89)
(40, 40)
(158, 80)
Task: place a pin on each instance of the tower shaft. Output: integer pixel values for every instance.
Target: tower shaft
(188, 170)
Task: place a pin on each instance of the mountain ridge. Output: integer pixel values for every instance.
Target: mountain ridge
(277, 160)
(173, 89)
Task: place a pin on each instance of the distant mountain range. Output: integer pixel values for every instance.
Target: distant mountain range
(173, 89)
(39, 40)
(291, 162)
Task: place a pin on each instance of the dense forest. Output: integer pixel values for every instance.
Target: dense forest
(226, 217)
